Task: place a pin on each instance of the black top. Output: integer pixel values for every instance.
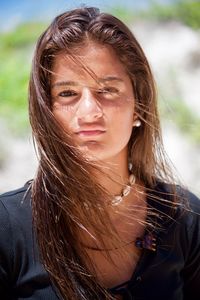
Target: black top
(172, 272)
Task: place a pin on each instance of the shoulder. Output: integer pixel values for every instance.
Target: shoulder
(178, 241)
(15, 215)
(15, 231)
(177, 206)
(15, 200)
(186, 208)
(190, 217)
(17, 192)
(178, 195)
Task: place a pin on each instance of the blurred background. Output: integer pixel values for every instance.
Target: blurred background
(169, 32)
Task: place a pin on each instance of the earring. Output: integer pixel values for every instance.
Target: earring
(137, 123)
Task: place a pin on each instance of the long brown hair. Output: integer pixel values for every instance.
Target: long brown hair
(64, 188)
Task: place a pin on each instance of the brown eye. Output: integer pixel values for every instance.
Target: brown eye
(67, 93)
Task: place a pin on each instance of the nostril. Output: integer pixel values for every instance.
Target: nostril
(98, 115)
(90, 117)
(89, 114)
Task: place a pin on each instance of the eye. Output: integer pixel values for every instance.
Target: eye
(108, 90)
(108, 93)
(67, 93)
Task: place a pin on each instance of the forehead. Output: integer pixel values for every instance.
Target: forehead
(92, 59)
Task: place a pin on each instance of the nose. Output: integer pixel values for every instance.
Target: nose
(89, 109)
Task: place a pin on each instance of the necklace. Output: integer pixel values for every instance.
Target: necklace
(125, 192)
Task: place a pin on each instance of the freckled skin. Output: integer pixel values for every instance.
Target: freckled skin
(88, 105)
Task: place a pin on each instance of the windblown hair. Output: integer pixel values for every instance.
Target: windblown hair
(64, 187)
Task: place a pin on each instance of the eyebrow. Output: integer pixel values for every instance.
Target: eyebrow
(74, 83)
(64, 83)
(110, 78)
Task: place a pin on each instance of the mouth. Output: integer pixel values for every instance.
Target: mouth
(86, 133)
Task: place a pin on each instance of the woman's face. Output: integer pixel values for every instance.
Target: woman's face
(97, 110)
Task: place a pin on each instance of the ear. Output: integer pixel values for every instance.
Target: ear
(135, 117)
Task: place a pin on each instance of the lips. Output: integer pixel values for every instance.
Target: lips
(85, 133)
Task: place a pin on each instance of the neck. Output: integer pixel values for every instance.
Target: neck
(113, 176)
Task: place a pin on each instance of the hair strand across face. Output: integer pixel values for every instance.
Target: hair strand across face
(64, 182)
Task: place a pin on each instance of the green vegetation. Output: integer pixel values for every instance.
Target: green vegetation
(13, 94)
(179, 113)
(16, 49)
(185, 11)
(21, 37)
(124, 14)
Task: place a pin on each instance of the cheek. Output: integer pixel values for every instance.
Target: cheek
(125, 123)
(62, 117)
(123, 118)
(121, 126)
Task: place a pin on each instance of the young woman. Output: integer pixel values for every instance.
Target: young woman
(108, 220)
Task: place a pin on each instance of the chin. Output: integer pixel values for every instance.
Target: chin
(93, 153)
